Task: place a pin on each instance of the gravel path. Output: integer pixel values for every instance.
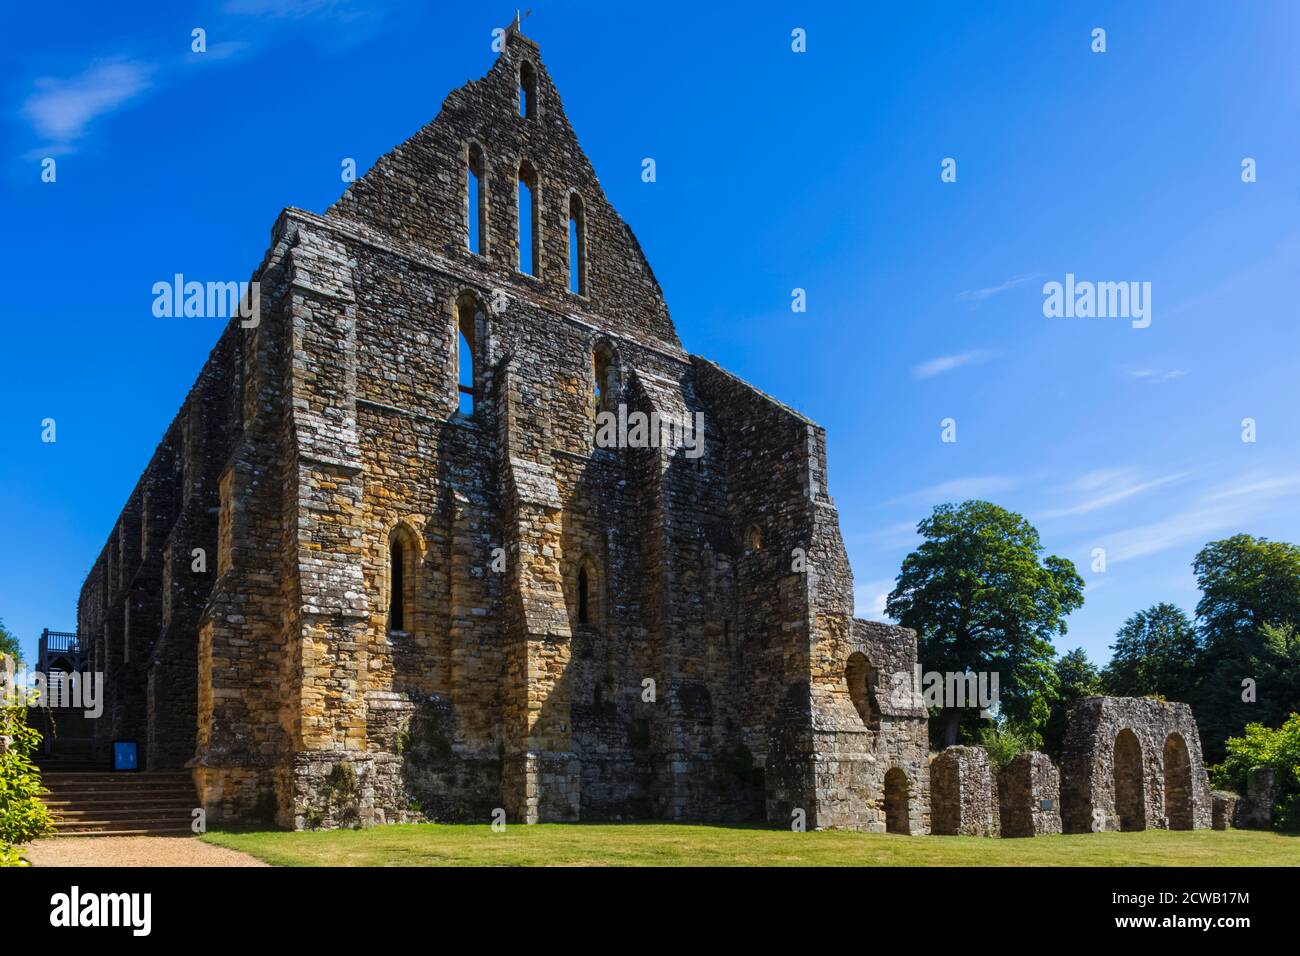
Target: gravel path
(134, 851)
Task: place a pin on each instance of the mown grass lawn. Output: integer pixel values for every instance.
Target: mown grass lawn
(666, 844)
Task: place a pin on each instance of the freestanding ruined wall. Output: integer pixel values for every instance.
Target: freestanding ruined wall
(1254, 809)
(1224, 807)
(963, 793)
(1029, 796)
(1133, 764)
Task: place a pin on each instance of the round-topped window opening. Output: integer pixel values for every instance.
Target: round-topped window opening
(861, 678)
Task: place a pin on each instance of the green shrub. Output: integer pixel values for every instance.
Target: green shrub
(1005, 740)
(23, 817)
(1262, 746)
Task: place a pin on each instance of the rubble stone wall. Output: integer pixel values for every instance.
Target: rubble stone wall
(963, 793)
(1029, 796)
(1133, 764)
(1254, 810)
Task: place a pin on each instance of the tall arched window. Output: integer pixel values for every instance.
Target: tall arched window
(577, 246)
(529, 254)
(604, 372)
(476, 200)
(527, 91)
(403, 588)
(584, 599)
(862, 679)
(587, 604)
(467, 312)
(396, 587)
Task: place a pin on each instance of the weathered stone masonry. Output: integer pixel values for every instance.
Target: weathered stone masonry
(1029, 796)
(321, 467)
(964, 793)
(1133, 764)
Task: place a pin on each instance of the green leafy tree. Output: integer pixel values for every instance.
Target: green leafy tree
(980, 597)
(1156, 652)
(1262, 746)
(23, 816)
(1246, 583)
(9, 643)
(1076, 678)
(1248, 612)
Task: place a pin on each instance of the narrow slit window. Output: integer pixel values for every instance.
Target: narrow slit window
(584, 611)
(527, 91)
(396, 588)
(475, 197)
(466, 312)
(577, 247)
(602, 362)
(527, 218)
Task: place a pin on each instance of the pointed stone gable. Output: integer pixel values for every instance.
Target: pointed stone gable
(416, 193)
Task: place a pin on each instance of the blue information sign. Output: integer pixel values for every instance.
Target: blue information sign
(124, 755)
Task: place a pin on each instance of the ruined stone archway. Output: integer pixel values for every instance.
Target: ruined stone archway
(1130, 803)
(1091, 762)
(861, 678)
(1178, 783)
(897, 792)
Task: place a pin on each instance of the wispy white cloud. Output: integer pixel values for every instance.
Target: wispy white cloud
(979, 295)
(276, 8)
(960, 489)
(946, 363)
(1255, 487)
(869, 599)
(889, 537)
(225, 50)
(1158, 376)
(1099, 478)
(62, 108)
(343, 10)
(1109, 487)
(1227, 509)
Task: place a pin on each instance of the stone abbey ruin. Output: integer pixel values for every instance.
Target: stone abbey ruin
(378, 570)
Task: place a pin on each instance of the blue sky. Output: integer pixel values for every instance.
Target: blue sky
(775, 170)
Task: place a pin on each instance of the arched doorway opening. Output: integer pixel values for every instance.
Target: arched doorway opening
(1130, 803)
(1178, 783)
(896, 794)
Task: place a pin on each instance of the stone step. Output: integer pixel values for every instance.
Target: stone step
(101, 781)
(120, 804)
(116, 829)
(142, 804)
(141, 799)
(86, 766)
(137, 822)
(105, 781)
(86, 778)
(129, 775)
